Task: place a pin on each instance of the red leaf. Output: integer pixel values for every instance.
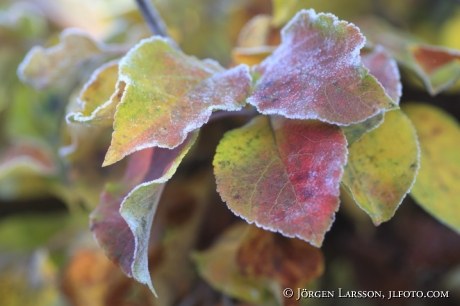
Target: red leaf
(316, 73)
(282, 174)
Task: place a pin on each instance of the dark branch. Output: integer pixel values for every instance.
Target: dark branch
(152, 18)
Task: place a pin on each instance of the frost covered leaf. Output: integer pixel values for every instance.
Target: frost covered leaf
(316, 73)
(97, 100)
(437, 186)
(127, 209)
(385, 69)
(292, 263)
(382, 166)
(283, 174)
(43, 67)
(33, 156)
(169, 94)
(437, 67)
(218, 266)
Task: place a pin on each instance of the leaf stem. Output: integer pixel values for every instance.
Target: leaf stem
(152, 18)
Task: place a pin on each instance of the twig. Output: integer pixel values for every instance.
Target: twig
(152, 18)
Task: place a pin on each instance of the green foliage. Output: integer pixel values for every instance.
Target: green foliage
(112, 122)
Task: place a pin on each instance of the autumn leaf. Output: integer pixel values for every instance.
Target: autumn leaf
(316, 73)
(218, 266)
(29, 169)
(436, 188)
(283, 174)
(127, 209)
(43, 67)
(35, 156)
(385, 69)
(97, 100)
(171, 96)
(382, 167)
(254, 265)
(437, 67)
(293, 263)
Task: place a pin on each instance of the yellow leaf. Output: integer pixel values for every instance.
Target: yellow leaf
(437, 187)
(382, 167)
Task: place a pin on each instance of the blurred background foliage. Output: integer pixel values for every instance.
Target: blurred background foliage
(51, 179)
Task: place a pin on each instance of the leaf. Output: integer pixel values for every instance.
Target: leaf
(385, 69)
(436, 188)
(92, 279)
(283, 174)
(437, 67)
(316, 73)
(33, 156)
(127, 209)
(219, 268)
(44, 67)
(181, 214)
(170, 96)
(382, 167)
(254, 265)
(97, 99)
(293, 263)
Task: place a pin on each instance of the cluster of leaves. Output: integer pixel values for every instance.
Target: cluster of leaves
(325, 117)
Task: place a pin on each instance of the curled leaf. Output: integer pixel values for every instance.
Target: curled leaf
(97, 100)
(35, 157)
(283, 174)
(437, 67)
(316, 73)
(382, 166)
(436, 188)
(43, 67)
(169, 94)
(122, 221)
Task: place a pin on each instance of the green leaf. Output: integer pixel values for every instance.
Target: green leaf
(437, 67)
(382, 167)
(127, 209)
(316, 73)
(283, 174)
(436, 188)
(169, 94)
